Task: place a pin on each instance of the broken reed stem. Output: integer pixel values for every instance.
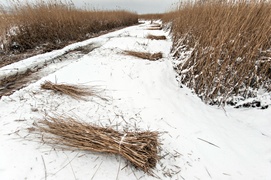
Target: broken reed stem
(75, 91)
(139, 148)
(144, 55)
(153, 37)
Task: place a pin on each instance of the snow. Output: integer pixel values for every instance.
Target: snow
(36, 62)
(200, 141)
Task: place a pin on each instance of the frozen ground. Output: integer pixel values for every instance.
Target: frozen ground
(201, 141)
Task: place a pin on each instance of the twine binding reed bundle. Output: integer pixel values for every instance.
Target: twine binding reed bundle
(139, 148)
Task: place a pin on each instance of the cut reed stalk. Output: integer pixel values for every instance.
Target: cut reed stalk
(139, 148)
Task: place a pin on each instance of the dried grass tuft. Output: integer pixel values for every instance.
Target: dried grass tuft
(145, 55)
(139, 148)
(75, 91)
(153, 37)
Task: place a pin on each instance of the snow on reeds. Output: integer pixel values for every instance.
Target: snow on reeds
(229, 44)
(139, 148)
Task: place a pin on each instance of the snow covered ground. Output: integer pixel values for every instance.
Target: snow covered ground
(201, 141)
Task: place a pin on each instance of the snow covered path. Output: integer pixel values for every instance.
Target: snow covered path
(201, 142)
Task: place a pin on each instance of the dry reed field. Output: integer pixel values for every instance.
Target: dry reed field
(53, 24)
(2, 22)
(231, 47)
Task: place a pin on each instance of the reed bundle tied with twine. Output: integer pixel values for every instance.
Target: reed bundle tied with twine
(139, 148)
(75, 91)
(145, 55)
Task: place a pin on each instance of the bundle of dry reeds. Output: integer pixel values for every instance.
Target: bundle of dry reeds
(75, 91)
(153, 37)
(145, 55)
(139, 148)
(155, 28)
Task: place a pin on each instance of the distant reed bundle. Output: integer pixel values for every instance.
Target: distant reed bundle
(153, 37)
(139, 148)
(144, 55)
(75, 91)
(155, 28)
